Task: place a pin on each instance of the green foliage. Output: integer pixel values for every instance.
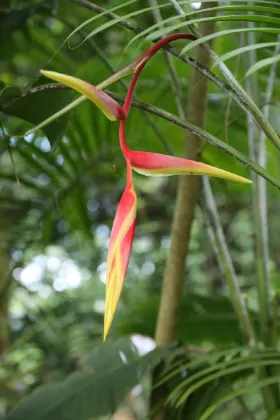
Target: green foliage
(37, 107)
(108, 374)
(54, 227)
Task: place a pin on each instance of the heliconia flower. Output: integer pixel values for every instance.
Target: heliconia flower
(108, 105)
(119, 249)
(151, 164)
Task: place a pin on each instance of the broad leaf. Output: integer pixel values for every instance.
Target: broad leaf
(86, 394)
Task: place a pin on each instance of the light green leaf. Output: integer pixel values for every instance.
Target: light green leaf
(242, 50)
(241, 391)
(262, 64)
(161, 32)
(224, 372)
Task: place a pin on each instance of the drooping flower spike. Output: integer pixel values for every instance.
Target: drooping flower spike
(146, 163)
(120, 248)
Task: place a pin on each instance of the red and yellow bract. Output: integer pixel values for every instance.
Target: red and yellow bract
(155, 164)
(120, 248)
(151, 164)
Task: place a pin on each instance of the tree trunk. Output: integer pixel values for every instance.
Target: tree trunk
(187, 193)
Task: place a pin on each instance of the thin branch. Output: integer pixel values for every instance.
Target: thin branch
(37, 89)
(240, 115)
(222, 252)
(178, 8)
(261, 264)
(211, 214)
(261, 185)
(262, 271)
(95, 8)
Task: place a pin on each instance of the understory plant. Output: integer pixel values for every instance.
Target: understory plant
(222, 300)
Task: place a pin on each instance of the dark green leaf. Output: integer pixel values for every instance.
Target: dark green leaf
(85, 394)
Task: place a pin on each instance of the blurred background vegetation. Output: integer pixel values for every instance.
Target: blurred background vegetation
(59, 188)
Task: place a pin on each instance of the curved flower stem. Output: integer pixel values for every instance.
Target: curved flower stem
(145, 58)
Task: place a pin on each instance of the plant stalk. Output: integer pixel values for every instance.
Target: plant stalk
(260, 229)
(187, 193)
(216, 232)
(257, 153)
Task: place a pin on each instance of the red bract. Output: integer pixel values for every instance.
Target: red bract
(119, 249)
(155, 164)
(152, 164)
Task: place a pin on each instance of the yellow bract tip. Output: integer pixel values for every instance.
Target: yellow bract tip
(110, 108)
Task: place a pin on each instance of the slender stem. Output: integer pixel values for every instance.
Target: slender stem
(177, 7)
(240, 115)
(220, 245)
(144, 58)
(261, 247)
(172, 71)
(261, 263)
(262, 194)
(211, 214)
(269, 330)
(187, 193)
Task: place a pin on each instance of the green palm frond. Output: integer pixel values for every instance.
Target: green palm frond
(227, 368)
